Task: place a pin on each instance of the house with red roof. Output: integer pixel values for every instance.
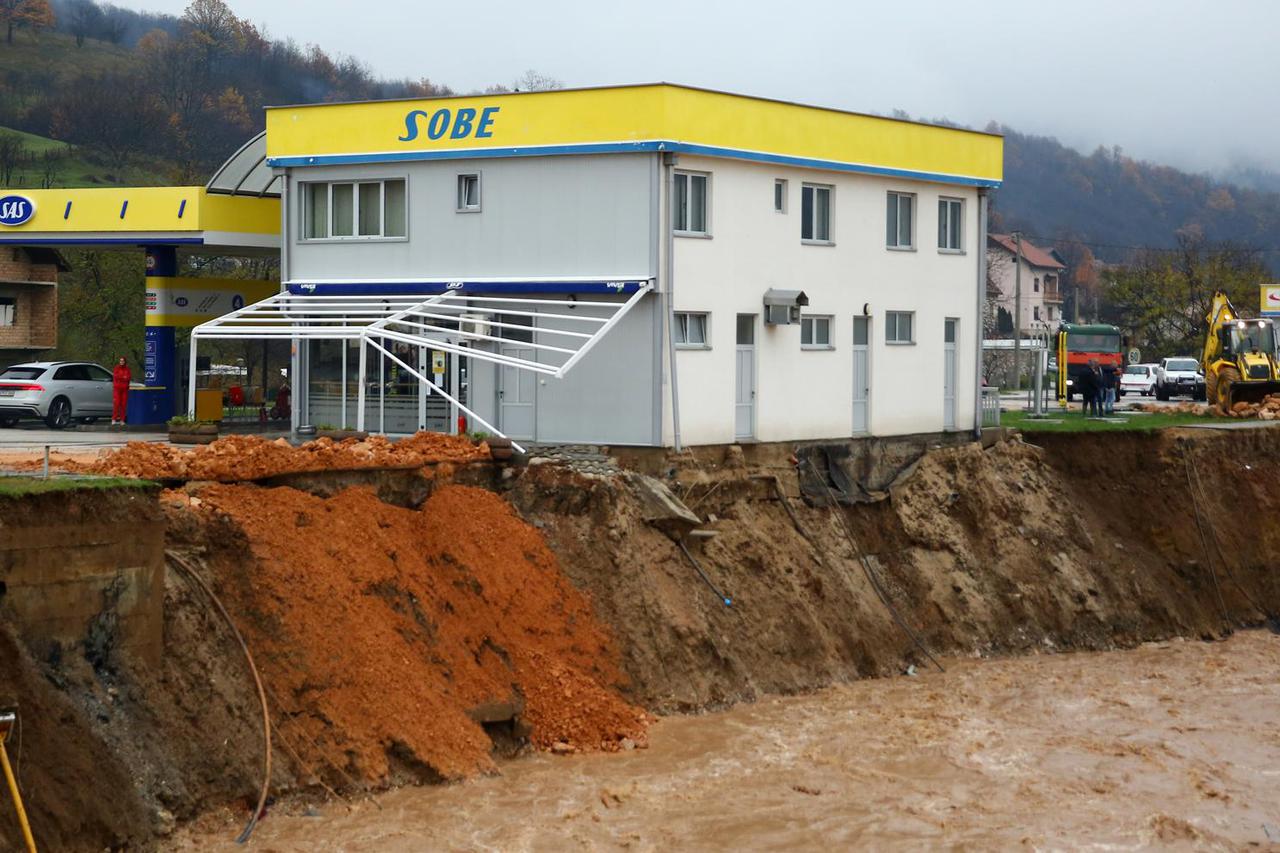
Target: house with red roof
(1041, 282)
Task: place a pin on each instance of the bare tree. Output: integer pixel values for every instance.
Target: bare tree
(12, 154)
(84, 19)
(536, 81)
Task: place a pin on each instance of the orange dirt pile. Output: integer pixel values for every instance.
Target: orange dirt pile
(249, 457)
(379, 628)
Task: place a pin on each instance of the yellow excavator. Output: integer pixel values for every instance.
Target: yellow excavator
(1239, 357)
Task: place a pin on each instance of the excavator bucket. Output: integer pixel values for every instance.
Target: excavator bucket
(1252, 392)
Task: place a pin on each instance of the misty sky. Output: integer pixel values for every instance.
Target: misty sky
(1192, 84)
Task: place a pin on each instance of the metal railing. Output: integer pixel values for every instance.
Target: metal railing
(991, 406)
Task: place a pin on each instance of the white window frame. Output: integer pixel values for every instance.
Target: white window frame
(891, 339)
(8, 312)
(831, 214)
(780, 192)
(681, 337)
(304, 191)
(899, 246)
(463, 207)
(706, 204)
(954, 207)
(811, 321)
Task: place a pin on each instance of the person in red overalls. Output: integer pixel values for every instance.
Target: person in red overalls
(120, 379)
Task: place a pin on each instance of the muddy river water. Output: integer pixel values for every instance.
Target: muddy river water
(1170, 744)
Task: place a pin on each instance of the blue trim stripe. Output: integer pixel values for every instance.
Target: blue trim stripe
(628, 147)
(431, 288)
(18, 240)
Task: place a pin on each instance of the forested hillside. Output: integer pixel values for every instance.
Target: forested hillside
(1110, 202)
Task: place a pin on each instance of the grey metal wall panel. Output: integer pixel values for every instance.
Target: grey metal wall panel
(540, 216)
(607, 397)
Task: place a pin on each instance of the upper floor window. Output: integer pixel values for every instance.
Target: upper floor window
(950, 224)
(1037, 284)
(815, 213)
(353, 210)
(899, 232)
(815, 332)
(780, 196)
(469, 193)
(1035, 312)
(8, 311)
(689, 203)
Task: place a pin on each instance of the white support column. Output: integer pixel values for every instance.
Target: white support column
(360, 389)
(343, 343)
(382, 391)
(424, 389)
(191, 379)
(455, 371)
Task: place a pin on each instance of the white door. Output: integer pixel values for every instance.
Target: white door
(516, 389)
(744, 410)
(949, 374)
(861, 375)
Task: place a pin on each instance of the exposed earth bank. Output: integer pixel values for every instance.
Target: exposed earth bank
(407, 644)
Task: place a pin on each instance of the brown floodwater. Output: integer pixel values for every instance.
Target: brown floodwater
(1170, 744)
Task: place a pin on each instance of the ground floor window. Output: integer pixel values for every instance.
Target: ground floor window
(815, 332)
(898, 327)
(8, 311)
(691, 329)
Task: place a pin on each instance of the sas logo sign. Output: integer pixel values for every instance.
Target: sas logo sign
(16, 209)
(460, 124)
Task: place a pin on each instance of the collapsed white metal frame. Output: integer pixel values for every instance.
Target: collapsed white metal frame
(454, 322)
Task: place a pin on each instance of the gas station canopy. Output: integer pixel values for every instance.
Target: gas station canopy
(195, 218)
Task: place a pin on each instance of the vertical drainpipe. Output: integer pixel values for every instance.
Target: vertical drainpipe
(982, 309)
(298, 398)
(668, 238)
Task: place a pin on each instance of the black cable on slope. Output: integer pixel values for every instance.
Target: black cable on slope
(872, 578)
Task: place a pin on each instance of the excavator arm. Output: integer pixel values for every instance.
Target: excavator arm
(1221, 312)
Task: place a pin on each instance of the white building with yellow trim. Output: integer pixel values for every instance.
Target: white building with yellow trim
(806, 273)
(651, 265)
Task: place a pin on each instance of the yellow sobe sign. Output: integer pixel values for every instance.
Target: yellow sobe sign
(629, 118)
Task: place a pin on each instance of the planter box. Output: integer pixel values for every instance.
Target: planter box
(193, 433)
(342, 434)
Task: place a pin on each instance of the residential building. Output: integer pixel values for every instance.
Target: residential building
(28, 301)
(1041, 283)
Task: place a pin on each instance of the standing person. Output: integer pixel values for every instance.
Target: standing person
(120, 379)
(1087, 385)
(1112, 376)
(1099, 387)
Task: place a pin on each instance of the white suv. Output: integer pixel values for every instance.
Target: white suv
(1177, 376)
(57, 392)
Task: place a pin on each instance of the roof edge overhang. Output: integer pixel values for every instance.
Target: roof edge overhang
(628, 147)
(630, 119)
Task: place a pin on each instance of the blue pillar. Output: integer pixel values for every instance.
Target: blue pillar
(159, 369)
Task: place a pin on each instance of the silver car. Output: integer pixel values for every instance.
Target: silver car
(57, 392)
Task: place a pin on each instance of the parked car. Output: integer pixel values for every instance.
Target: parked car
(57, 392)
(1138, 379)
(1179, 377)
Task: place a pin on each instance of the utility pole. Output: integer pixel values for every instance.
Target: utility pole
(1017, 313)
